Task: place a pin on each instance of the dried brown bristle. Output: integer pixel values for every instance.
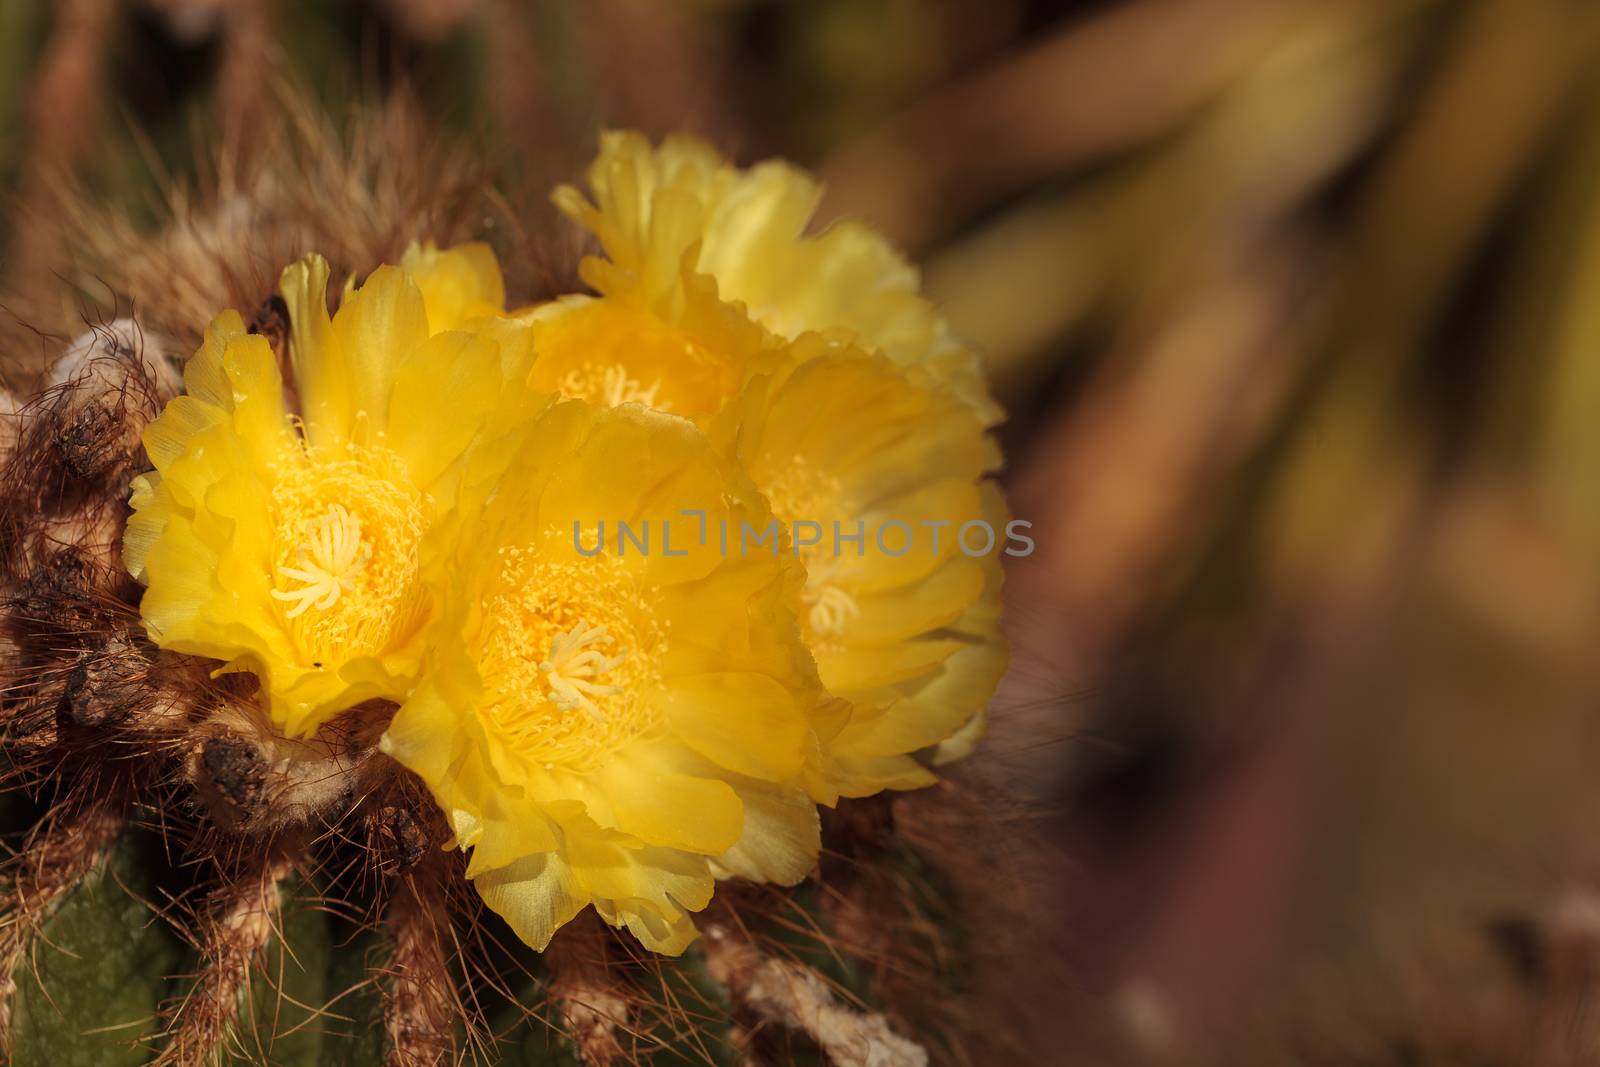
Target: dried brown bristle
(358, 191)
(252, 778)
(232, 941)
(420, 1007)
(590, 1000)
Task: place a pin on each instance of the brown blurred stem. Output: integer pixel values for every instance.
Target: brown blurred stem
(1090, 90)
(63, 117)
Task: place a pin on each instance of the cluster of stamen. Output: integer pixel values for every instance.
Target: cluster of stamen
(610, 385)
(333, 554)
(570, 654)
(347, 530)
(574, 664)
(829, 608)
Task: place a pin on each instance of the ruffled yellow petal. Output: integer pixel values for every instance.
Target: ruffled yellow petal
(863, 776)
(651, 801)
(536, 895)
(781, 840)
(204, 378)
(649, 212)
(259, 413)
(377, 328)
(145, 524)
(668, 931)
(748, 723)
(943, 711)
(320, 373)
(662, 881)
(189, 592)
(898, 614)
(459, 285)
(936, 711)
(443, 394)
(851, 669)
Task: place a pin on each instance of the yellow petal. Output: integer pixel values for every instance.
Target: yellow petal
(491, 287)
(536, 896)
(321, 375)
(443, 393)
(657, 804)
(259, 416)
(918, 608)
(665, 878)
(961, 744)
(458, 285)
(186, 610)
(745, 722)
(144, 526)
(851, 670)
(167, 438)
(781, 840)
(856, 776)
(507, 831)
(424, 733)
(667, 934)
(939, 509)
(378, 327)
(203, 376)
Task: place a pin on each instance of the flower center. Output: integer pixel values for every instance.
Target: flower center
(610, 385)
(830, 608)
(575, 668)
(569, 657)
(611, 353)
(346, 534)
(330, 558)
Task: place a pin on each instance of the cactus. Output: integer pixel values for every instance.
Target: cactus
(190, 886)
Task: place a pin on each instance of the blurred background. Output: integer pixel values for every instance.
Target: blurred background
(1295, 307)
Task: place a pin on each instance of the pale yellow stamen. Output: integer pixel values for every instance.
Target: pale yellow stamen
(610, 386)
(333, 554)
(570, 654)
(573, 665)
(347, 528)
(832, 609)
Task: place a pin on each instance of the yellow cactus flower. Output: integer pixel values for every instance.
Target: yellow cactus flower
(608, 721)
(858, 407)
(286, 539)
(682, 212)
(884, 486)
